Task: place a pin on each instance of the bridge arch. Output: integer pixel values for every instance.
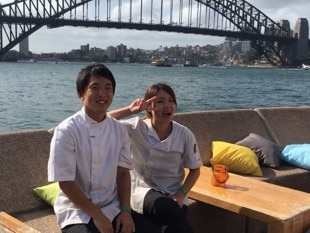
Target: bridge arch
(231, 18)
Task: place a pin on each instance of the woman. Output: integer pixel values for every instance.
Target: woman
(161, 149)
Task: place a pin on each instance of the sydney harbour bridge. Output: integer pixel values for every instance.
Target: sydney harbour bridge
(227, 18)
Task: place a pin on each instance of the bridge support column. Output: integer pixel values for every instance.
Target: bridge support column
(300, 49)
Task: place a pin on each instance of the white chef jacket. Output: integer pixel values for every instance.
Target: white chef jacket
(159, 164)
(88, 152)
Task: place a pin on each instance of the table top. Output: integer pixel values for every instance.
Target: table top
(250, 197)
(9, 224)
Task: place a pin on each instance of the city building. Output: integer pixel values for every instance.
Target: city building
(85, 48)
(121, 50)
(111, 53)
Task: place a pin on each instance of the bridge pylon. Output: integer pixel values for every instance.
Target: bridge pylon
(300, 48)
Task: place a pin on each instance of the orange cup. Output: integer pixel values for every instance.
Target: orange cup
(219, 175)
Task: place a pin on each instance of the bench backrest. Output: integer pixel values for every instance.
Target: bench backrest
(23, 160)
(223, 125)
(24, 155)
(288, 124)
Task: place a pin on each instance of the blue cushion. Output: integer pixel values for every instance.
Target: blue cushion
(297, 155)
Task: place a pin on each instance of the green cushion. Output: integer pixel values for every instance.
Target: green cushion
(48, 193)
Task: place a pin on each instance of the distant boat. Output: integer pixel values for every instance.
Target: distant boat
(27, 60)
(305, 67)
(162, 62)
(189, 63)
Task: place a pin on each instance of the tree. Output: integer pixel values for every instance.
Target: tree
(250, 56)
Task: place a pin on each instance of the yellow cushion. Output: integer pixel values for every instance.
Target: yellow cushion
(238, 159)
(48, 193)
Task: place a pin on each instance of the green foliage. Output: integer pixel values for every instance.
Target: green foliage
(251, 56)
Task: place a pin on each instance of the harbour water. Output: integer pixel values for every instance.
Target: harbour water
(40, 95)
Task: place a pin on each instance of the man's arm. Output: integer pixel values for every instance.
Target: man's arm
(124, 221)
(74, 193)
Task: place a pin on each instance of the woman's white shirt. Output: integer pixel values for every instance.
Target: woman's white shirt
(159, 164)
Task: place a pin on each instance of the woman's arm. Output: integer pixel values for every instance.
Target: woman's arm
(136, 106)
(120, 113)
(189, 182)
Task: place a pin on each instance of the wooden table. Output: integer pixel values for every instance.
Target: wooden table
(9, 224)
(284, 210)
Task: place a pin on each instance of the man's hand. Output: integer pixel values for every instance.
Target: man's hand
(103, 224)
(124, 223)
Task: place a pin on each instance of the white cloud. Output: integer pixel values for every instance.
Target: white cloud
(64, 39)
(278, 9)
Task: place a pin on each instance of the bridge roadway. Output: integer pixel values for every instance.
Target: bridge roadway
(232, 18)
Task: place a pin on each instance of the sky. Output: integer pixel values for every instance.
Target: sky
(64, 39)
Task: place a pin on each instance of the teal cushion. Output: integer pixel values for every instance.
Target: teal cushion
(48, 193)
(297, 155)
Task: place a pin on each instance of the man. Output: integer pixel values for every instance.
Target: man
(90, 158)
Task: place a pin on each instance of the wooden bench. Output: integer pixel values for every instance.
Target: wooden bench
(284, 210)
(10, 224)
